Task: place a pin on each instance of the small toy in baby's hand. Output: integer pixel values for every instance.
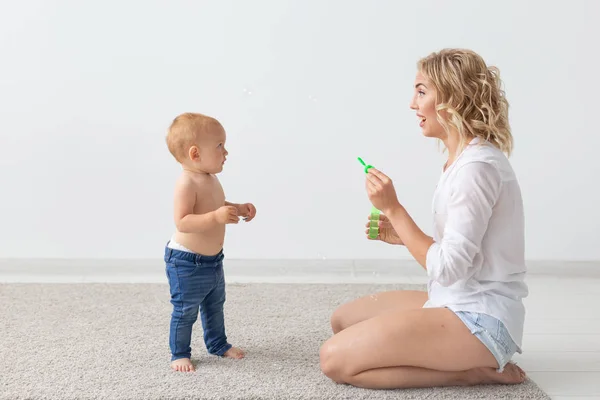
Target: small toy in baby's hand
(374, 223)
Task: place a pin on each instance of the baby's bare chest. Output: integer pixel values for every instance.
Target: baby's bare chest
(209, 197)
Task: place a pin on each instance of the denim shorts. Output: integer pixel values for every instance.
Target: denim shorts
(492, 333)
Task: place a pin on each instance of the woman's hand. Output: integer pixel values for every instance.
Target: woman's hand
(387, 233)
(381, 192)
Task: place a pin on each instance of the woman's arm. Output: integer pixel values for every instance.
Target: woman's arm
(475, 189)
(474, 192)
(415, 240)
(383, 196)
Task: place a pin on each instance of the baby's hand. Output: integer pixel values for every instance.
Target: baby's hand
(227, 215)
(248, 211)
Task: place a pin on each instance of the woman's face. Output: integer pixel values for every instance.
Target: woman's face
(424, 102)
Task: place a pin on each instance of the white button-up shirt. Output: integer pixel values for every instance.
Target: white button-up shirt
(477, 262)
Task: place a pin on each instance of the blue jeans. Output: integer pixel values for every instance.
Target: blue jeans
(197, 283)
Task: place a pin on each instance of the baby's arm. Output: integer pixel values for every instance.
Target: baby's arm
(246, 210)
(188, 222)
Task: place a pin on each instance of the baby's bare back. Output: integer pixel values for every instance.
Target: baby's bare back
(209, 196)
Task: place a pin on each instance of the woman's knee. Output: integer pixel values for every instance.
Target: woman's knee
(336, 320)
(330, 362)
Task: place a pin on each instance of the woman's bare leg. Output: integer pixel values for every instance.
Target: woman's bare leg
(411, 348)
(415, 377)
(373, 305)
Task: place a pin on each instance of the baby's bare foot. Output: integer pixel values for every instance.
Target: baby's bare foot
(182, 365)
(234, 352)
(512, 374)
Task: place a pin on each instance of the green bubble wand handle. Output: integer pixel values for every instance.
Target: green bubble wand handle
(374, 224)
(360, 160)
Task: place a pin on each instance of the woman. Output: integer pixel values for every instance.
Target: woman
(466, 327)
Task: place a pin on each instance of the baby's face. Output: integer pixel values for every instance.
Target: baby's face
(212, 152)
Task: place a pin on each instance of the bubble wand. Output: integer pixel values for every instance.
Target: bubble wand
(374, 224)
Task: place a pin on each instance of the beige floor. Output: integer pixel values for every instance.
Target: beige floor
(562, 336)
(562, 331)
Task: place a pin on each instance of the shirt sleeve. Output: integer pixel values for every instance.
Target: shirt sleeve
(475, 189)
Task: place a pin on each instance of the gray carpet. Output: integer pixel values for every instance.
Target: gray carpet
(110, 341)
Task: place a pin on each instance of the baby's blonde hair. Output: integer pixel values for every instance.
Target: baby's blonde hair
(185, 132)
(471, 94)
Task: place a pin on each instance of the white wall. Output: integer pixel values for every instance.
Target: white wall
(87, 90)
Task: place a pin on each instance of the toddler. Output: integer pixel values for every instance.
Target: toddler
(194, 255)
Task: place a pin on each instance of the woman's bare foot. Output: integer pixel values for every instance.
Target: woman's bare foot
(512, 374)
(234, 352)
(183, 365)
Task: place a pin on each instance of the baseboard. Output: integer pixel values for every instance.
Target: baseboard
(250, 270)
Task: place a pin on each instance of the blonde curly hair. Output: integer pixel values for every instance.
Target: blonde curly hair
(471, 95)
